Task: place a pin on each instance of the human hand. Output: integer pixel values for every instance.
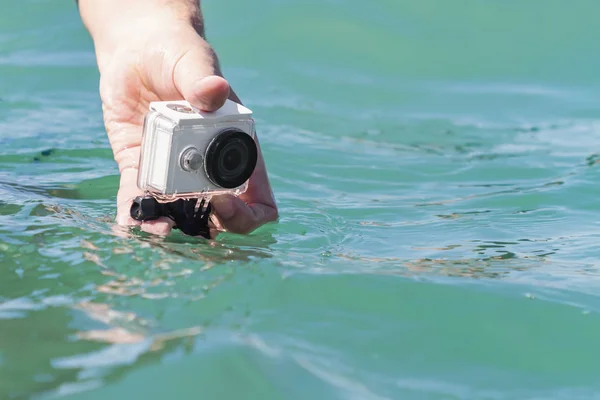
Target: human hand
(162, 59)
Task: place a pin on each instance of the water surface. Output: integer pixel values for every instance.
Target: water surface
(436, 168)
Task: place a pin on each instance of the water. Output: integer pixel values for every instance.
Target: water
(436, 168)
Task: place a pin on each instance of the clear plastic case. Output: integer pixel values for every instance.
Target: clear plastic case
(172, 128)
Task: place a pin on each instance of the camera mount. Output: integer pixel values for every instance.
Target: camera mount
(190, 217)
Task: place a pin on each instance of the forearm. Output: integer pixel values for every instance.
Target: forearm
(120, 16)
(113, 23)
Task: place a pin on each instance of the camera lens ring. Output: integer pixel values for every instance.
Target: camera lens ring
(230, 158)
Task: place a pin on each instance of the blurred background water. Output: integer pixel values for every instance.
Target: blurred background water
(436, 168)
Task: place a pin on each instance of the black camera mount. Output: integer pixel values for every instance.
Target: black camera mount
(190, 216)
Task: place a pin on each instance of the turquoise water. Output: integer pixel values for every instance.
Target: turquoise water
(436, 168)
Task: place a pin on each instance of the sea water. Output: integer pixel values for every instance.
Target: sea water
(436, 167)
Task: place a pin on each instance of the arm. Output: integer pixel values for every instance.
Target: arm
(152, 50)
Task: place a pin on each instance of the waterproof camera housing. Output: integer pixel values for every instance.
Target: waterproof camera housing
(186, 152)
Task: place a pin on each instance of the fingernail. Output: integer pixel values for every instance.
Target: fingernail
(224, 207)
(210, 94)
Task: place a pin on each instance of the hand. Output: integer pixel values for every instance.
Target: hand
(171, 62)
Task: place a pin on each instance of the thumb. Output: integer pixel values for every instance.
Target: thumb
(193, 76)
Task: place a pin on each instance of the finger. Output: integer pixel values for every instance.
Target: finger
(207, 92)
(236, 216)
(213, 233)
(128, 191)
(160, 227)
(124, 140)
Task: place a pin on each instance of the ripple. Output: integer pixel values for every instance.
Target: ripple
(438, 215)
(53, 59)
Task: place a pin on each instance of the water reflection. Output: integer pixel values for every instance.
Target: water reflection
(118, 295)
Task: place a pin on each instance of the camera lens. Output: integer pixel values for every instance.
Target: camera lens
(231, 158)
